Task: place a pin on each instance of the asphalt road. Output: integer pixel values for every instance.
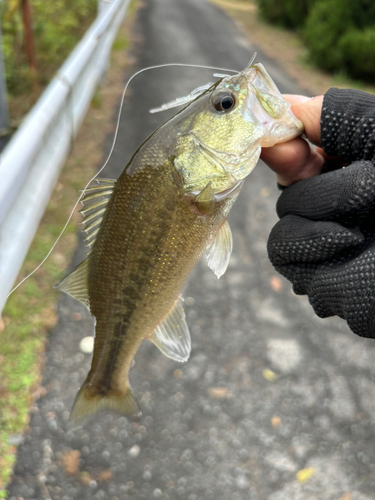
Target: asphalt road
(273, 404)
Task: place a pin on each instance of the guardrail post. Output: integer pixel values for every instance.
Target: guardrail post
(102, 5)
(4, 114)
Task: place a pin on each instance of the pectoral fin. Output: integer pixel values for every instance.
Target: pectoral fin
(218, 254)
(205, 200)
(172, 334)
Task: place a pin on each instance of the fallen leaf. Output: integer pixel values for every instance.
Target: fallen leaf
(218, 392)
(49, 317)
(70, 460)
(276, 421)
(39, 393)
(346, 496)
(304, 475)
(269, 375)
(105, 475)
(276, 284)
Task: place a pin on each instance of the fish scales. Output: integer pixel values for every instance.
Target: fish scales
(155, 238)
(148, 229)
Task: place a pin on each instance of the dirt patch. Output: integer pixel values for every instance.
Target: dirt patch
(70, 460)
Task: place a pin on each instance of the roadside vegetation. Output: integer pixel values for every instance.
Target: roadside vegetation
(30, 313)
(57, 26)
(339, 34)
(274, 28)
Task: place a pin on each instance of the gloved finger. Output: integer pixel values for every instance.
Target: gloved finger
(300, 275)
(295, 239)
(331, 162)
(349, 190)
(347, 290)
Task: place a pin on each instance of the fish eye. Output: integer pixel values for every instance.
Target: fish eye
(224, 101)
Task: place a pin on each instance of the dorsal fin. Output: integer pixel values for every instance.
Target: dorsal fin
(94, 204)
(172, 334)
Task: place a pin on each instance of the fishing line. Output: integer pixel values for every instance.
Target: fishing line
(111, 151)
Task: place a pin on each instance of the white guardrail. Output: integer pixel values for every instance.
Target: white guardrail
(31, 162)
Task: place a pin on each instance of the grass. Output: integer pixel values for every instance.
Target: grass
(30, 312)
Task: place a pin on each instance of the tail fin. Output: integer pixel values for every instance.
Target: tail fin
(88, 403)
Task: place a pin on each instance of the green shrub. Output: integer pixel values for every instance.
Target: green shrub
(287, 13)
(339, 38)
(340, 34)
(358, 53)
(326, 23)
(362, 12)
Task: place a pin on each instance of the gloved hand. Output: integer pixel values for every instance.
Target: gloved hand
(325, 243)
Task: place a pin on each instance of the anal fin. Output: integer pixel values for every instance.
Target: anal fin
(75, 284)
(172, 335)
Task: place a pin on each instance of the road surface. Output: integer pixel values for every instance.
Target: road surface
(273, 404)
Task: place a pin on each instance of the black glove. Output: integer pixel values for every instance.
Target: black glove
(325, 241)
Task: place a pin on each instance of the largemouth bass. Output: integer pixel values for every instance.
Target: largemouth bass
(169, 207)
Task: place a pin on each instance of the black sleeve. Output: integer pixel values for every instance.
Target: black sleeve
(348, 124)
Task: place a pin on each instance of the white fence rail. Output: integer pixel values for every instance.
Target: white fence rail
(31, 162)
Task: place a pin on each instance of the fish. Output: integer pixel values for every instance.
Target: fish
(147, 230)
